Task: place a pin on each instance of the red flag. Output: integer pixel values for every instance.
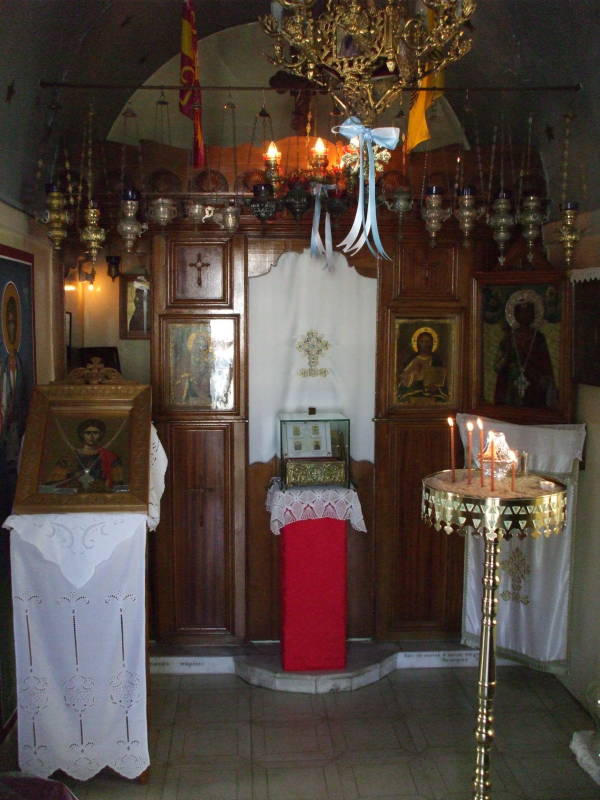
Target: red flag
(190, 97)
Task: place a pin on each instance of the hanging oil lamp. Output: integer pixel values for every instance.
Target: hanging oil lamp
(92, 235)
(129, 227)
(501, 222)
(272, 161)
(467, 213)
(162, 210)
(568, 235)
(56, 217)
(400, 204)
(530, 218)
(433, 213)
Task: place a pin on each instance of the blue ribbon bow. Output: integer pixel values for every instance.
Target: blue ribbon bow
(363, 227)
(317, 248)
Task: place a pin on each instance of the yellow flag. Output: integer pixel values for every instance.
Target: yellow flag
(417, 130)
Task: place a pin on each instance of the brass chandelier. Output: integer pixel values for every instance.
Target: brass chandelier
(365, 52)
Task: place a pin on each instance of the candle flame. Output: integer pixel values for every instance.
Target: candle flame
(469, 426)
(320, 148)
(450, 421)
(272, 151)
(479, 424)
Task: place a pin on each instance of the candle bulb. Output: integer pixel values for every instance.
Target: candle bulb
(480, 426)
(492, 458)
(452, 461)
(469, 450)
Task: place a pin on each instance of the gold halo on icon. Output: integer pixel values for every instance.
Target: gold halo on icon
(11, 292)
(418, 332)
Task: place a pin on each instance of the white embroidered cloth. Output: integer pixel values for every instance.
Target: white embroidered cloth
(76, 543)
(296, 296)
(535, 575)
(294, 505)
(78, 582)
(158, 468)
(81, 661)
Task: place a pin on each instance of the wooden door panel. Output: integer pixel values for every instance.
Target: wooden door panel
(200, 272)
(200, 515)
(419, 571)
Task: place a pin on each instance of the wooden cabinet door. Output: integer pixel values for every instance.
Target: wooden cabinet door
(200, 400)
(200, 546)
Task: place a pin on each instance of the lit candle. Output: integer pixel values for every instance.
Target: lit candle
(492, 457)
(272, 153)
(319, 155)
(469, 449)
(452, 461)
(480, 426)
(513, 470)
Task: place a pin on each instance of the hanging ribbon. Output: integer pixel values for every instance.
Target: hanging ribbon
(364, 226)
(317, 248)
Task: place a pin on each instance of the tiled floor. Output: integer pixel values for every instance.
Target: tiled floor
(406, 737)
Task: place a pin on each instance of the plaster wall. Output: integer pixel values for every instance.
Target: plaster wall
(99, 326)
(584, 630)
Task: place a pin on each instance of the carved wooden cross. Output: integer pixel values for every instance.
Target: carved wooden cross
(199, 265)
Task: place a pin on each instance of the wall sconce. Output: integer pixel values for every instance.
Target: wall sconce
(69, 284)
(85, 276)
(114, 266)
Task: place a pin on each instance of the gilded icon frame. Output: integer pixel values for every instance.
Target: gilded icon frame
(53, 475)
(543, 358)
(426, 378)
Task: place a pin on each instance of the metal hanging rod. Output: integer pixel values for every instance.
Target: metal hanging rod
(575, 87)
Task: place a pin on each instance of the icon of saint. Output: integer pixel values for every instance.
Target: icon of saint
(422, 373)
(525, 376)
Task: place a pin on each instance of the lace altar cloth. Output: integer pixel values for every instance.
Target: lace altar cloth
(78, 583)
(293, 505)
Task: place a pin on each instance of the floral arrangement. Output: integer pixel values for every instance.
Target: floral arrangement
(351, 162)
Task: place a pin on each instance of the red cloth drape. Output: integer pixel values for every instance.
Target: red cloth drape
(313, 595)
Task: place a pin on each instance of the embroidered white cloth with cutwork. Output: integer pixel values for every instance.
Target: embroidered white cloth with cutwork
(294, 505)
(535, 576)
(78, 586)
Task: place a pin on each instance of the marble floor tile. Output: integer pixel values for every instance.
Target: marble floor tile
(207, 783)
(552, 776)
(281, 741)
(372, 734)
(271, 705)
(378, 699)
(229, 705)
(410, 736)
(225, 742)
(303, 782)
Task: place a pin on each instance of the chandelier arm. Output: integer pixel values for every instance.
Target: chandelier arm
(296, 5)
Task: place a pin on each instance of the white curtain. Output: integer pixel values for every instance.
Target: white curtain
(298, 295)
(535, 575)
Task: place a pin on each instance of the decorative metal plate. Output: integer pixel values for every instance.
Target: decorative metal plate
(541, 513)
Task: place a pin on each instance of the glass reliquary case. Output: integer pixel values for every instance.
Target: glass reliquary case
(314, 449)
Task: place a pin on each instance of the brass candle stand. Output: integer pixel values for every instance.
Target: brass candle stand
(535, 507)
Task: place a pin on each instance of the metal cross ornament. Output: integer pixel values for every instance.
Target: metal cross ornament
(313, 344)
(199, 265)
